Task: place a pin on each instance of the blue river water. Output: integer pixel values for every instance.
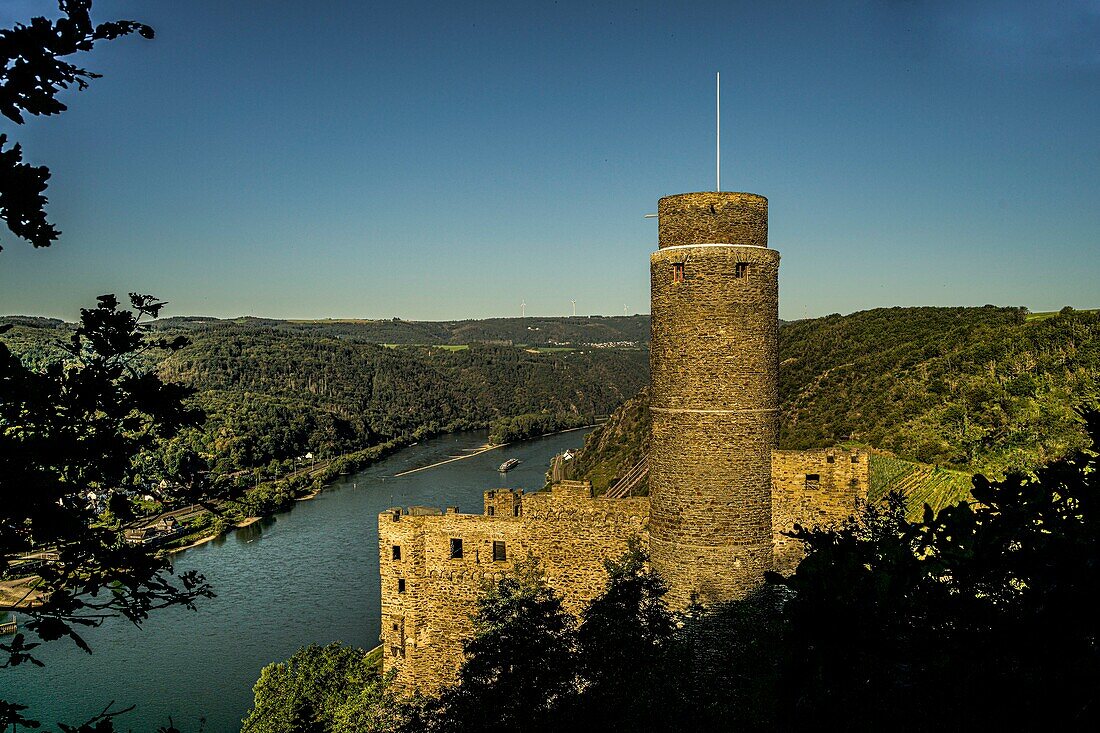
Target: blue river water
(309, 575)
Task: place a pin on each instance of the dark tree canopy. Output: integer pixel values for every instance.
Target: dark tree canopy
(981, 614)
(90, 425)
(33, 72)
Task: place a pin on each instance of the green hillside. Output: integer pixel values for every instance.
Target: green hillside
(275, 393)
(966, 389)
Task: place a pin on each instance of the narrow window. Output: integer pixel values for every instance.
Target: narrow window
(395, 627)
(456, 548)
(400, 585)
(855, 458)
(515, 510)
(500, 554)
(397, 552)
(830, 458)
(677, 272)
(492, 510)
(741, 269)
(813, 480)
(854, 483)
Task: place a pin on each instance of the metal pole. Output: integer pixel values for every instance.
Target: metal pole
(718, 130)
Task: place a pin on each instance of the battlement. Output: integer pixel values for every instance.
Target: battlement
(712, 217)
(504, 503)
(435, 564)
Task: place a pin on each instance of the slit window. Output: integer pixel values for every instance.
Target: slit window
(456, 548)
(813, 480)
(500, 553)
(492, 511)
(741, 269)
(396, 552)
(677, 272)
(515, 510)
(400, 585)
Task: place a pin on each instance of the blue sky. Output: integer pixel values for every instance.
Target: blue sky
(435, 160)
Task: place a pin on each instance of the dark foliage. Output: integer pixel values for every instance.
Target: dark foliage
(90, 424)
(519, 669)
(33, 73)
(981, 613)
(624, 644)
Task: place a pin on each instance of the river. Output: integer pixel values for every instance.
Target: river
(308, 575)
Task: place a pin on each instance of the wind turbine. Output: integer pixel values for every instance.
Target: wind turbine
(523, 309)
(574, 302)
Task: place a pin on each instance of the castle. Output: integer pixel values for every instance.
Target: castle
(720, 497)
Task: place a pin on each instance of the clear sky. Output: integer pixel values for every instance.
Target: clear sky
(436, 160)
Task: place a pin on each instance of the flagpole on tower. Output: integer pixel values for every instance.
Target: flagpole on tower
(718, 130)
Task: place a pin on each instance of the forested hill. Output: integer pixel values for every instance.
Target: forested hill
(977, 388)
(276, 393)
(576, 330)
(983, 389)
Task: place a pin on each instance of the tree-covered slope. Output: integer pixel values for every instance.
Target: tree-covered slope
(980, 389)
(276, 393)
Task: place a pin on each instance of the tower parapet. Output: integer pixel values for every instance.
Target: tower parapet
(714, 399)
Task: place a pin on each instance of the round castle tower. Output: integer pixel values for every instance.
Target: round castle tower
(714, 398)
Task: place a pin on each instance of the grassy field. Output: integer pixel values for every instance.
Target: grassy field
(1050, 314)
(921, 484)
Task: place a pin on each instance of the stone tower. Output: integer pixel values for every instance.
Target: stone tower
(714, 363)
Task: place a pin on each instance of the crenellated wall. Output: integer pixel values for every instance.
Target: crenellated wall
(571, 534)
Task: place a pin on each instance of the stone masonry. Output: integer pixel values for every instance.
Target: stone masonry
(721, 496)
(429, 594)
(714, 396)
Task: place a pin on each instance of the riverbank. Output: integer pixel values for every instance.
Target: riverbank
(216, 535)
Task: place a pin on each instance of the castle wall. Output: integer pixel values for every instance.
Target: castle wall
(571, 534)
(840, 487)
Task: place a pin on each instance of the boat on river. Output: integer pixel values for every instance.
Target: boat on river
(508, 465)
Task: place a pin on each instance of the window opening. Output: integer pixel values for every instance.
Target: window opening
(855, 459)
(397, 552)
(456, 549)
(830, 459)
(741, 269)
(813, 480)
(492, 510)
(500, 554)
(400, 585)
(677, 272)
(515, 510)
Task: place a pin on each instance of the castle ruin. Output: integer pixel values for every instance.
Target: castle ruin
(721, 495)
